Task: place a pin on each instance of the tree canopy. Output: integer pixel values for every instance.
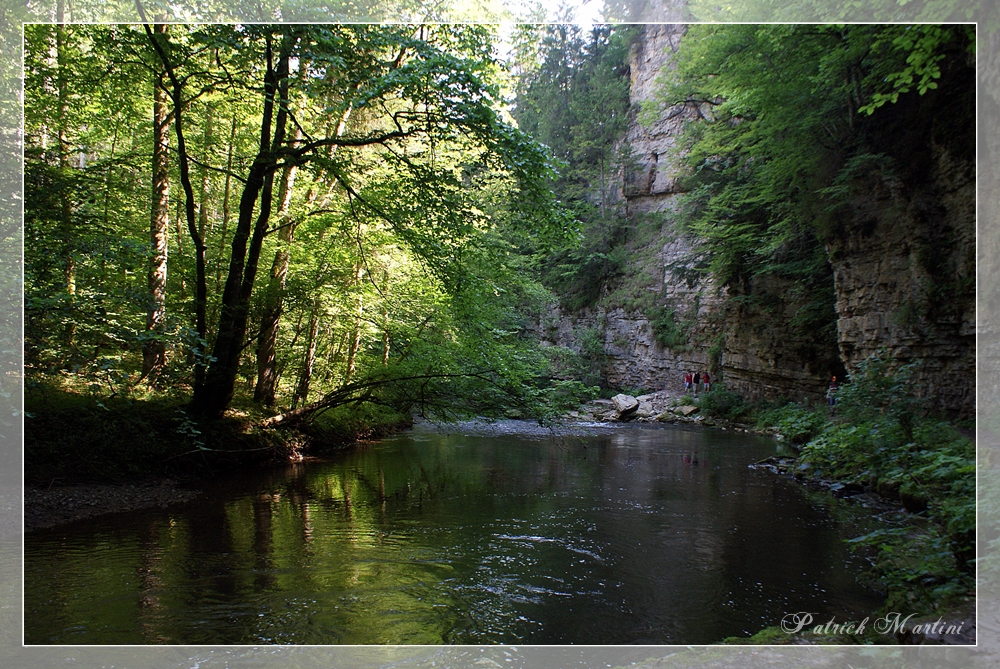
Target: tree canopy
(370, 167)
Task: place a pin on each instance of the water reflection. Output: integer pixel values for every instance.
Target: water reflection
(627, 536)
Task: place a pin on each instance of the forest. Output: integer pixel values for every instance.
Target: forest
(281, 216)
(291, 220)
(264, 241)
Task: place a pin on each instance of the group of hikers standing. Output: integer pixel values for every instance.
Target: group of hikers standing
(692, 381)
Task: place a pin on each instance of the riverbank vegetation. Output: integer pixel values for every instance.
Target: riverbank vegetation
(885, 441)
(783, 126)
(791, 121)
(341, 206)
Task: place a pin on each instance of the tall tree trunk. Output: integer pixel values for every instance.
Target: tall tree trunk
(179, 238)
(213, 393)
(154, 353)
(159, 43)
(332, 353)
(385, 318)
(352, 351)
(207, 141)
(305, 376)
(267, 339)
(604, 190)
(225, 207)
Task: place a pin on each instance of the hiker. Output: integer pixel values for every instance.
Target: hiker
(831, 394)
(704, 379)
(697, 381)
(687, 383)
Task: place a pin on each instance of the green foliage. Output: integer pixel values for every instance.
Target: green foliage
(783, 134)
(347, 424)
(879, 387)
(891, 446)
(569, 364)
(578, 274)
(820, 11)
(916, 568)
(576, 372)
(795, 423)
(71, 437)
(564, 395)
(666, 330)
(573, 96)
(715, 354)
(722, 403)
(378, 286)
(925, 47)
(883, 439)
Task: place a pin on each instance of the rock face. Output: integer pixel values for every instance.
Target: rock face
(651, 180)
(904, 262)
(902, 259)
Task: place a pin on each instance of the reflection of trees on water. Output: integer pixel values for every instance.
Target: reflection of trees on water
(458, 540)
(150, 572)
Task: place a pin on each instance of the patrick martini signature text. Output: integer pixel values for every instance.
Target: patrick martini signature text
(891, 623)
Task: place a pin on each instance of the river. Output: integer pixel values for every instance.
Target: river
(471, 534)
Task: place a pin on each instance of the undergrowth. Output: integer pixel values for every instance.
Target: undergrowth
(885, 440)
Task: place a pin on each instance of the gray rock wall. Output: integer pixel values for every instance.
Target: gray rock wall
(886, 298)
(904, 270)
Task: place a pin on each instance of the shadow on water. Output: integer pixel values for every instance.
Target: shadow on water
(631, 535)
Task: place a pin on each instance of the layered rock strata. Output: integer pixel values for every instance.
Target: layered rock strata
(902, 257)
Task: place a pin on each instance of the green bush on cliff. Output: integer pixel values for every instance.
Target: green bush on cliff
(666, 330)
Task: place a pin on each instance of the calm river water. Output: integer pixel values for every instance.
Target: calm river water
(496, 534)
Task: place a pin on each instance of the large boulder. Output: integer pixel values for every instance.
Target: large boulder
(645, 410)
(625, 405)
(686, 410)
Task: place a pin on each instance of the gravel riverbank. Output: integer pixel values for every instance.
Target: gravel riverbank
(64, 504)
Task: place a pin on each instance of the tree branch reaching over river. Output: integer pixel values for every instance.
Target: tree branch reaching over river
(362, 391)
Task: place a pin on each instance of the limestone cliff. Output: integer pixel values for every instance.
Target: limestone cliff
(901, 256)
(903, 250)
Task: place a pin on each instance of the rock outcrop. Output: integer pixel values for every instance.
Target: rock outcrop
(902, 259)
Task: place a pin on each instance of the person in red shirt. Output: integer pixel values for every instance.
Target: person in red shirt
(704, 380)
(687, 383)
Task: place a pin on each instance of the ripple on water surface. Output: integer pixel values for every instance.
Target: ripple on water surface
(485, 533)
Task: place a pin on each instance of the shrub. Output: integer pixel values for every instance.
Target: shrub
(564, 395)
(347, 423)
(915, 567)
(666, 330)
(593, 356)
(894, 448)
(794, 422)
(722, 403)
(877, 390)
